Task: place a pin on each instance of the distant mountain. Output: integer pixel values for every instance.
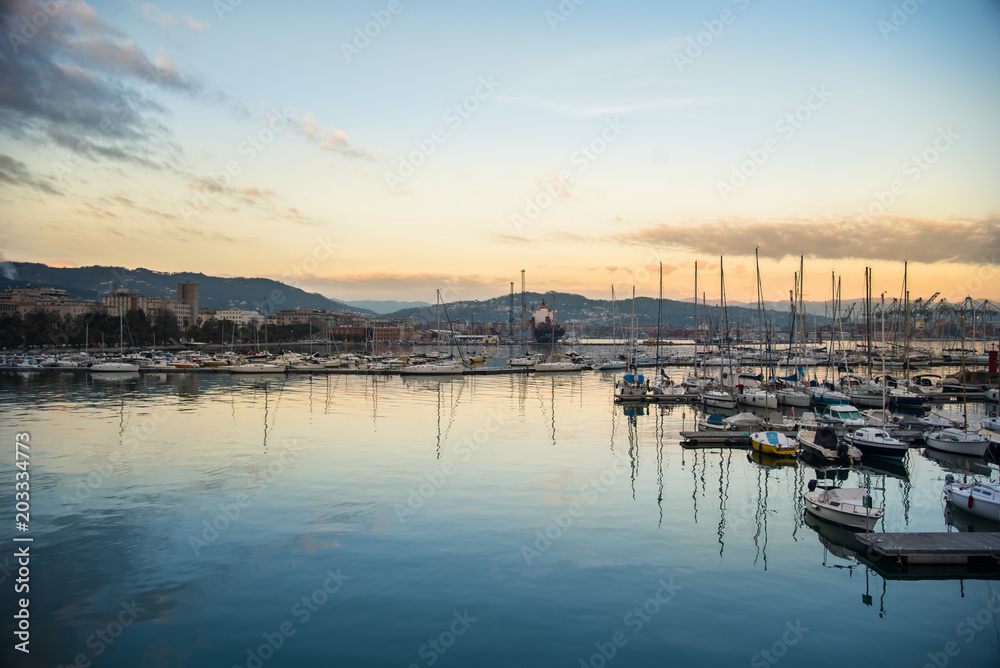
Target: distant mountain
(213, 291)
(386, 306)
(571, 307)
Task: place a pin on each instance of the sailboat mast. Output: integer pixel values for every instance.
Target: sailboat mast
(696, 328)
(659, 317)
(884, 381)
(965, 403)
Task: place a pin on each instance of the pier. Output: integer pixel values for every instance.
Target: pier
(923, 554)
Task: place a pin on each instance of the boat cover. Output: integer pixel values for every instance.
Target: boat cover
(826, 438)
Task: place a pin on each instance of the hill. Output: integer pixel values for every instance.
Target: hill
(213, 291)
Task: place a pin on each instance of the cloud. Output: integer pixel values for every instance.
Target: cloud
(15, 172)
(127, 202)
(919, 240)
(82, 85)
(156, 15)
(195, 25)
(511, 238)
(331, 139)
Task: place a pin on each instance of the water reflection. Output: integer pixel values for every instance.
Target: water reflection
(725, 520)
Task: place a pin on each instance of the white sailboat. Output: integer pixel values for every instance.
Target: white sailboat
(955, 440)
(120, 366)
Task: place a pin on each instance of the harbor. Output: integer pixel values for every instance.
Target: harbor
(451, 490)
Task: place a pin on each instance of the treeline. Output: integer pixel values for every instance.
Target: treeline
(48, 328)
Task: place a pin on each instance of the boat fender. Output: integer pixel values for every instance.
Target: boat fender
(812, 485)
(970, 498)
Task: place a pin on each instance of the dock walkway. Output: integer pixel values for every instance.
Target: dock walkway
(936, 548)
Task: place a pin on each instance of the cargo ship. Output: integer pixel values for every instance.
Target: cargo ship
(543, 325)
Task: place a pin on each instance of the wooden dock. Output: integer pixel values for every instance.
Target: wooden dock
(973, 550)
(714, 439)
(659, 399)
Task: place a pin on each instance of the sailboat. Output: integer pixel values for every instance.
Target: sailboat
(721, 396)
(439, 366)
(955, 440)
(611, 363)
(757, 395)
(121, 366)
(662, 386)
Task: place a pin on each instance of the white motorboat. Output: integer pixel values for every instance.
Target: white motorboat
(876, 442)
(608, 365)
(992, 424)
(850, 507)
(957, 441)
(552, 363)
(978, 498)
(114, 367)
(825, 444)
(257, 367)
(847, 416)
(433, 368)
(993, 395)
(718, 399)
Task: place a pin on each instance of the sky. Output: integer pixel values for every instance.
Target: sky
(386, 149)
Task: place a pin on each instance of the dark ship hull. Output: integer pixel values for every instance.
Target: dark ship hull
(546, 333)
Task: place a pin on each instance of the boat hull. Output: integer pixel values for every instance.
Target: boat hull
(718, 400)
(831, 514)
(984, 503)
(958, 443)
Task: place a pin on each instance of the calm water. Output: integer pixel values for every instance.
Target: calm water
(209, 520)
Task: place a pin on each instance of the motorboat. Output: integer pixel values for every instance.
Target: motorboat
(433, 368)
(993, 395)
(825, 444)
(992, 424)
(257, 367)
(957, 441)
(114, 367)
(979, 498)
(552, 364)
(773, 443)
(847, 416)
(739, 422)
(824, 396)
(876, 442)
(847, 506)
(718, 399)
(608, 364)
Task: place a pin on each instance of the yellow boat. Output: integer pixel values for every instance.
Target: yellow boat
(773, 443)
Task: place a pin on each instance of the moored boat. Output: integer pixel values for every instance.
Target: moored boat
(773, 443)
(957, 441)
(824, 444)
(847, 506)
(876, 442)
(978, 498)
